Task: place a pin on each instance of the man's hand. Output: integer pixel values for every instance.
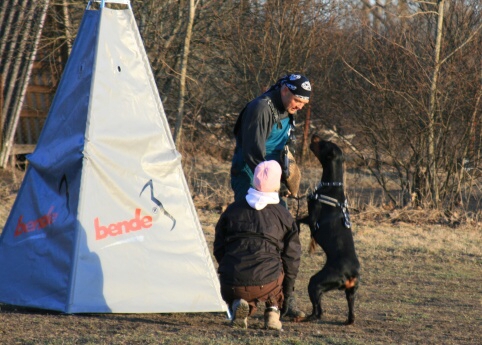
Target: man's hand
(294, 178)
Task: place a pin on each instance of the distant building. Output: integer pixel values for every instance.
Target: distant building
(34, 47)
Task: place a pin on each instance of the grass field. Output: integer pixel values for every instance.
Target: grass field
(420, 284)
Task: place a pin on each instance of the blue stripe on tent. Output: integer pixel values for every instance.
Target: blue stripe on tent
(37, 242)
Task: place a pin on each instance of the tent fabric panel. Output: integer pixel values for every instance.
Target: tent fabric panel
(126, 101)
(142, 247)
(36, 250)
(62, 139)
(144, 268)
(38, 240)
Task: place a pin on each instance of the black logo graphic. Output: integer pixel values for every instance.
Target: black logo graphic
(157, 202)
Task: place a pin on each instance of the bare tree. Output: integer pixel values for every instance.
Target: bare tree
(432, 162)
(403, 76)
(183, 73)
(408, 100)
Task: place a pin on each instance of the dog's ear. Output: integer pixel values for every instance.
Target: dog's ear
(315, 138)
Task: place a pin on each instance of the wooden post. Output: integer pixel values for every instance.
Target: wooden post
(306, 131)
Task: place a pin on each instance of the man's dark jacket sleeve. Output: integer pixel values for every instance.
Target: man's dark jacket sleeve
(257, 123)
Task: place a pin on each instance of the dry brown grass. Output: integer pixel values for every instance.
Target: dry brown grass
(420, 284)
(9, 185)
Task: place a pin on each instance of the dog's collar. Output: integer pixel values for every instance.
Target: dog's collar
(329, 184)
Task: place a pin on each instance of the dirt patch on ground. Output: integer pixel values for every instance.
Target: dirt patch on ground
(420, 284)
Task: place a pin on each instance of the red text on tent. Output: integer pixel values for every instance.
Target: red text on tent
(123, 227)
(34, 225)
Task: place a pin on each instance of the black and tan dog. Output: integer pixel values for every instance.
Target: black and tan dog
(330, 227)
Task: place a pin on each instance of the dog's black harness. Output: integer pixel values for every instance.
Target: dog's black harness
(316, 195)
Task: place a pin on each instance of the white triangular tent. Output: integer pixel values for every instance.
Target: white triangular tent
(104, 221)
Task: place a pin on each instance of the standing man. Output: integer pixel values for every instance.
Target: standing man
(258, 250)
(263, 128)
(262, 131)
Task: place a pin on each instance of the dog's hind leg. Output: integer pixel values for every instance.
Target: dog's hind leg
(315, 298)
(350, 298)
(321, 282)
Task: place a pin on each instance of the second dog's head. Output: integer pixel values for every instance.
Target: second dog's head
(325, 151)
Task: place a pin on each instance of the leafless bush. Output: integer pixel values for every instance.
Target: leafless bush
(395, 76)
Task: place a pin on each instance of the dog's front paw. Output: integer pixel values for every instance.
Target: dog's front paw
(311, 317)
(350, 321)
(299, 319)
